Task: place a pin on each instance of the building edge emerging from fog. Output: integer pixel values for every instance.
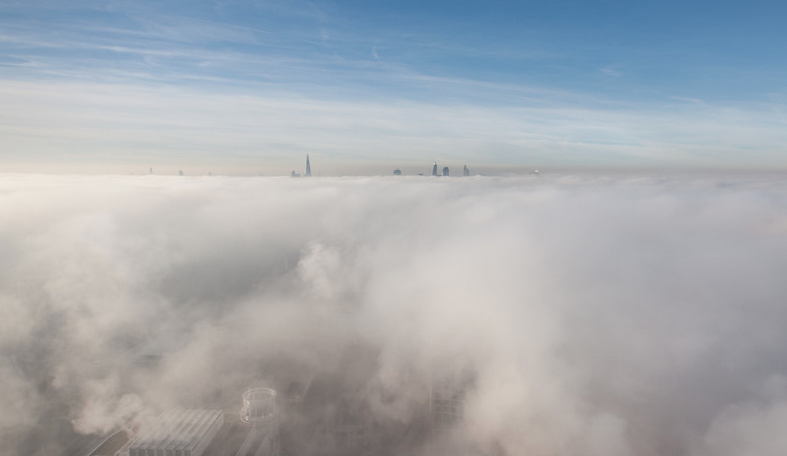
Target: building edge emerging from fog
(178, 433)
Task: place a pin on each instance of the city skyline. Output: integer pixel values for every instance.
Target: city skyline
(423, 228)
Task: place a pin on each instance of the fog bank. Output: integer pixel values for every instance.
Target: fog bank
(595, 316)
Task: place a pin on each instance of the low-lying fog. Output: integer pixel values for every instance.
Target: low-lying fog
(597, 316)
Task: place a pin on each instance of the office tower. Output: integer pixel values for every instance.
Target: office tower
(446, 402)
(465, 172)
(261, 412)
(434, 169)
(308, 167)
(445, 171)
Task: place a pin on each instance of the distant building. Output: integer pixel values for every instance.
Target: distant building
(447, 393)
(446, 403)
(308, 172)
(397, 172)
(465, 171)
(259, 405)
(178, 433)
(434, 169)
(287, 434)
(180, 172)
(261, 411)
(445, 171)
(294, 174)
(272, 421)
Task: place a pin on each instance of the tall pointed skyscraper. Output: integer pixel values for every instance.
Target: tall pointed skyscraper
(434, 169)
(308, 167)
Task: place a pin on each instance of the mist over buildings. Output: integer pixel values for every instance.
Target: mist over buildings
(625, 316)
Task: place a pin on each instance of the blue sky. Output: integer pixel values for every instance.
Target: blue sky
(251, 86)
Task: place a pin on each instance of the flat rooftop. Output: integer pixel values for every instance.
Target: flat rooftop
(178, 430)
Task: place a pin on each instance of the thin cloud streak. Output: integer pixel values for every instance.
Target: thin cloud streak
(117, 124)
(408, 106)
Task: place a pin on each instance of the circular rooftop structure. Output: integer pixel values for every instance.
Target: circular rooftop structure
(259, 406)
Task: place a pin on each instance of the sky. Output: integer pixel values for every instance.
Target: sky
(251, 87)
(596, 316)
(627, 300)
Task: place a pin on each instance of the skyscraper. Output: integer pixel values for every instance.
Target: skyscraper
(308, 167)
(445, 171)
(466, 172)
(446, 401)
(434, 169)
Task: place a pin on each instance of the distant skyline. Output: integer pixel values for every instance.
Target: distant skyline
(252, 87)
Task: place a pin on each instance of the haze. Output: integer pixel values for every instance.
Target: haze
(598, 316)
(598, 272)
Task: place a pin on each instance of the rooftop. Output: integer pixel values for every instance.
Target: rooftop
(177, 430)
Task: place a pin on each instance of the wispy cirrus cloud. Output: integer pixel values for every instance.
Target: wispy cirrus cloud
(433, 94)
(120, 124)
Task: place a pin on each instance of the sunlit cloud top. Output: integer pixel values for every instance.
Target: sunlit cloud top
(256, 85)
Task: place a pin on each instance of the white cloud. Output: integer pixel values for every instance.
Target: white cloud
(132, 126)
(593, 315)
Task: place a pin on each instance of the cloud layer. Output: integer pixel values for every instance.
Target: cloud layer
(240, 87)
(121, 128)
(596, 316)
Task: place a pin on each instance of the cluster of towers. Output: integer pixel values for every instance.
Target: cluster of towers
(308, 172)
(465, 171)
(397, 172)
